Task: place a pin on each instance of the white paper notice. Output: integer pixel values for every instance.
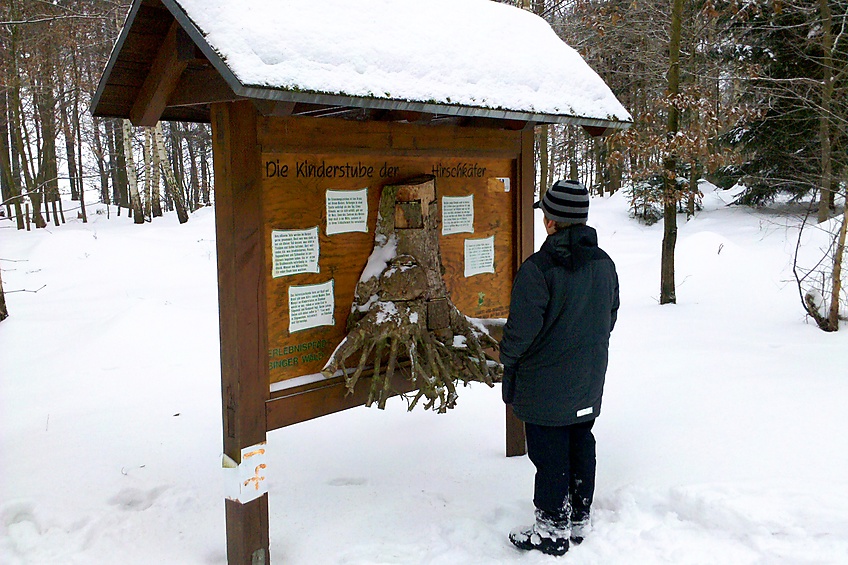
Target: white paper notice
(505, 181)
(248, 480)
(311, 306)
(457, 214)
(479, 256)
(347, 211)
(294, 251)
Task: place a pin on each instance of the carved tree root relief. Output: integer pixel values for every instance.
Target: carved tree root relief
(402, 317)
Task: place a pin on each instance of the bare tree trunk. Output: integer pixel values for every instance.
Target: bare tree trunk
(100, 156)
(573, 170)
(16, 127)
(112, 147)
(70, 149)
(598, 143)
(667, 286)
(205, 181)
(78, 128)
(615, 166)
(554, 156)
(176, 135)
(33, 191)
(836, 281)
(132, 179)
(148, 170)
(194, 177)
(48, 173)
(155, 205)
(693, 188)
(170, 182)
(11, 183)
(824, 118)
(543, 160)
(4, 311)
(118, 163)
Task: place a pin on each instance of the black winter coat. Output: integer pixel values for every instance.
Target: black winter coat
(556, 340)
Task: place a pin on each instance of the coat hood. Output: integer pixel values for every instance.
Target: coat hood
(572, 247)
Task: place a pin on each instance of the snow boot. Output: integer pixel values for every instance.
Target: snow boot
(549, 535)
(579, 530)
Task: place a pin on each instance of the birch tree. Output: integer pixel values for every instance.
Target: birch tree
(171, 186)
(148, 172)
(132, 177)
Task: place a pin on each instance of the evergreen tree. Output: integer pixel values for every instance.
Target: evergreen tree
(779, 43)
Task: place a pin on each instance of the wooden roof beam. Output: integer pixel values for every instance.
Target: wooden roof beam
(162, 79)
(199, 87)
(277, 108)
(598, 131)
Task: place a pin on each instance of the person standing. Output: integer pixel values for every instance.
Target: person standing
(554, 350)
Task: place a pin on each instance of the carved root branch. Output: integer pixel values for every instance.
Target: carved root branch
(395, 333)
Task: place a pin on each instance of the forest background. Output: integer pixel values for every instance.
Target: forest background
(741, 92)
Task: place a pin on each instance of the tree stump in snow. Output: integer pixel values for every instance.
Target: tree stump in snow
(402, 317)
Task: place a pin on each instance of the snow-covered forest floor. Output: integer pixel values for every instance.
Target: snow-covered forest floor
(723, 437)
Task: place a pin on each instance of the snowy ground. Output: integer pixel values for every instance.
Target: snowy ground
(722, 439)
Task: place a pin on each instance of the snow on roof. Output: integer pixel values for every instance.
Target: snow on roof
(476, 53)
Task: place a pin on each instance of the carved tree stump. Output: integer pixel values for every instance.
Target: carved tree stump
(402, 315)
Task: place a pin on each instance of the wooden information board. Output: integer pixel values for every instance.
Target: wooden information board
(306, 194)
(294, 187)
(296, 210)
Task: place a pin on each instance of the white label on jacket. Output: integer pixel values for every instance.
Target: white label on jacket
(584, 412)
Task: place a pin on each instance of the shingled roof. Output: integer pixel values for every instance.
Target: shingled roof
(370, 59)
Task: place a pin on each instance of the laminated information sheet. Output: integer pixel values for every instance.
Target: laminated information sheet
(347, 211)
(294, 252)
(457, 214)
(479, 256)
(311, 306)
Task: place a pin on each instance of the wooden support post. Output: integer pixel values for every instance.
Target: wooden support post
(160, 82)
(515, 441)
(242, 307)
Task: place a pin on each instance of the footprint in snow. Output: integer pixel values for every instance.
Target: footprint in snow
(347, 482)
(137, 499)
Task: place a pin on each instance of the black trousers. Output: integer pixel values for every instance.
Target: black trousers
(564, 457)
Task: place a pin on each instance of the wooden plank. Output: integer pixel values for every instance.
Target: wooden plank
(246, 522)
(142, 46)
(389, 138)
(150, 13)
(118, 96)
(160, 82)
(127, 73)
(323, 399)
(526, 196)
(201, 86)
(274, 107)
(241, 300)
(198, 114)
(516, 444)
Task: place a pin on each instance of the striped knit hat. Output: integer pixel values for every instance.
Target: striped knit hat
(567, 201)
